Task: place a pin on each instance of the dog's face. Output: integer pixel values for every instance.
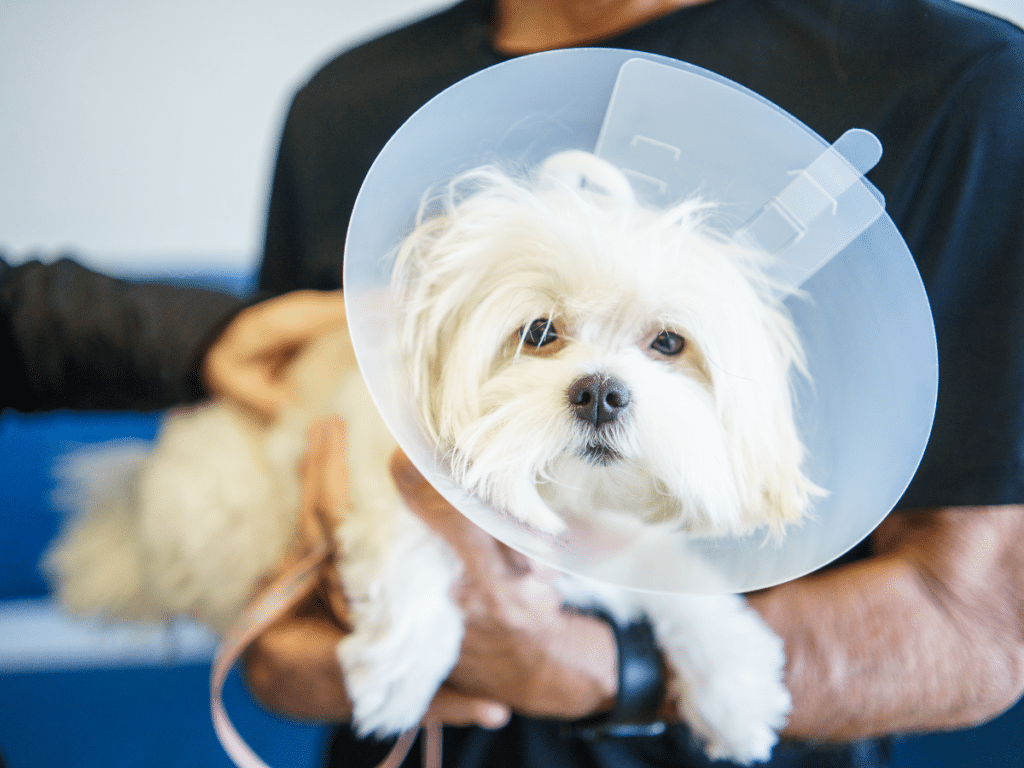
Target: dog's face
(574, 354)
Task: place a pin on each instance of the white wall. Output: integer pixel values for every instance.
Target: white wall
(1008, 9)
(142, 132)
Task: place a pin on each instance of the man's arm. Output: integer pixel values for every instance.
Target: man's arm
(74, 338)
(926, 635)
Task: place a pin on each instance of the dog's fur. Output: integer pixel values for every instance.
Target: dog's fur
(572, 353)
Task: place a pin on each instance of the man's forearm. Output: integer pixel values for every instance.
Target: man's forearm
(927, 635)
(903, 642)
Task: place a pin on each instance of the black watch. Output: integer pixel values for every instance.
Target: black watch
(641, 689)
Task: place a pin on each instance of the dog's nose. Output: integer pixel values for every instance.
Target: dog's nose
(598, 399)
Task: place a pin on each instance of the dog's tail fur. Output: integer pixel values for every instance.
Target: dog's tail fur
(96, 564)
(190, 525)
(186, 529)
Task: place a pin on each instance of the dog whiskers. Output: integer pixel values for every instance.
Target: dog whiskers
(599, 454)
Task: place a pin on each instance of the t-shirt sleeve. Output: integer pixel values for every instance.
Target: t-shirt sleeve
(965, 227)
(74, 338)
(316, 178)
(282, 249)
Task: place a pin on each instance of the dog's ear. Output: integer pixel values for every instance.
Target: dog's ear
(582, 170)
(776, 492)
(765, 446)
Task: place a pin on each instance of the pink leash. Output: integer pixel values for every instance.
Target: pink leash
(286, 591)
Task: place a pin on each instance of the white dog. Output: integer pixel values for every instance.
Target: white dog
(572, 353)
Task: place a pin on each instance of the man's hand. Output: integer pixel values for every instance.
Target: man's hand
(247, 362)
(521, 648)
(292, 667)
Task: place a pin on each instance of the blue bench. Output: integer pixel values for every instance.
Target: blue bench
(81, 693)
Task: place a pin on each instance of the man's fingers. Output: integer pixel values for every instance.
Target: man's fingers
(252, 384)
(285, 322)
(248, 361)
(426, 502)
(335, 493)
(324, 472)
(479, 551)
(450, 707)
(261, 392)
(293, 317)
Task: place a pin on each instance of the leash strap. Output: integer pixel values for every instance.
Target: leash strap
(285, 593)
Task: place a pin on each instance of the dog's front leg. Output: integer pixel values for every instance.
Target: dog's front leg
(728, 668)
(407, 630)
(398, 577)
(727, 665)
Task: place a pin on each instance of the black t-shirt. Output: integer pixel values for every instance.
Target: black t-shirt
(941, 85)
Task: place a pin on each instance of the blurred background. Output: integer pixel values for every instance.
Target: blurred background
(141, 137)
(143, 133)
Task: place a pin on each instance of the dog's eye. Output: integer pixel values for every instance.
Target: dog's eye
(539, 333)
(668, 343)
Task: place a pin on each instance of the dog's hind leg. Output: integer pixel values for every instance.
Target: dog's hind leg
(184, 527)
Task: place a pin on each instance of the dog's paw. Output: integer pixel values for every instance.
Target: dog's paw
(392, 677)
(729, 679)
(384, 703)
(744, 704)
(407, 628)
(744, 728)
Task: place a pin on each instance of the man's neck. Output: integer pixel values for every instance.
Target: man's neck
(528, 26)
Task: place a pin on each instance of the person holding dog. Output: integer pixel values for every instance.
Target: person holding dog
(921, 628)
